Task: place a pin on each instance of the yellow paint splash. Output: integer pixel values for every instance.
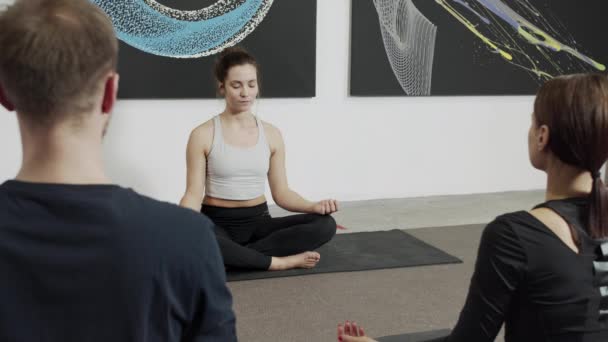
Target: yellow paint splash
(472, 28)
(530, 33)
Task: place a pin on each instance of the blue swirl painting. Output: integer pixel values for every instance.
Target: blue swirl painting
(159, 30)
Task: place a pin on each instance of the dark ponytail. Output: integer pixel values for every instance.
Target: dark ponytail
(598, 208)
(575, 108)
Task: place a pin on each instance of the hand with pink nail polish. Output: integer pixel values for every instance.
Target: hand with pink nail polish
(351, 332)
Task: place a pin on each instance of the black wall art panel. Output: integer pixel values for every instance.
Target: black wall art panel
(472, 47)
(168, 47)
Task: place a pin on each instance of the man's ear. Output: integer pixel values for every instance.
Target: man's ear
(4, 100)
(110, 93)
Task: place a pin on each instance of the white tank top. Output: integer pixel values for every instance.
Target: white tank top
(237, 173)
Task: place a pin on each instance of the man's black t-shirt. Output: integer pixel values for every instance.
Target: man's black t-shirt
(91, 263)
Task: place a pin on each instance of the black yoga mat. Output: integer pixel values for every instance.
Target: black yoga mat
(427, 336)
(360, 252)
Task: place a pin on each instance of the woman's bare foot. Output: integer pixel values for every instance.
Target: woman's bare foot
(302, 260)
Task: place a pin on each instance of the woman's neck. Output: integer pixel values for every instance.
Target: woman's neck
(241, 119)
(567, 181)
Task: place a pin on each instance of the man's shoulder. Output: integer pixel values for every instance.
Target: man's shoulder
(168, 214)
(158, 230)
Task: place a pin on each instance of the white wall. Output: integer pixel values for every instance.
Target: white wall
(337, 146)
(5, 3)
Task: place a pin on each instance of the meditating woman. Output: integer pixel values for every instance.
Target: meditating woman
(229, 159)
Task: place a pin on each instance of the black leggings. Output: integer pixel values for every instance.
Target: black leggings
(250, 237)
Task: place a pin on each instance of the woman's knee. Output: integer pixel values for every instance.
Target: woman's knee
(327, 227)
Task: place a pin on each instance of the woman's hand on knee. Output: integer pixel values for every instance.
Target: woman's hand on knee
(351, 332)
(326, 207)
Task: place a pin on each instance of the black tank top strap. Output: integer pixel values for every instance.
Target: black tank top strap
(572, 210)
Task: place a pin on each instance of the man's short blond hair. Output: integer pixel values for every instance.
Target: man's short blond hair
(53, 55)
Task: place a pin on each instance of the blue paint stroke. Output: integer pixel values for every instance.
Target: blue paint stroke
(467, 6)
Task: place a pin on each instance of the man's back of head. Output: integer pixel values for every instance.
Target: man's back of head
(58, 72)
(56, 56)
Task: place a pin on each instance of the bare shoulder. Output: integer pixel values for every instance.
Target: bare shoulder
(270, 128)
(272, 132)
(202, 135)
(273, 135)
(205, 128)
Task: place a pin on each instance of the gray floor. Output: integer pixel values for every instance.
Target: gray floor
(385, 302)
(436, 211)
